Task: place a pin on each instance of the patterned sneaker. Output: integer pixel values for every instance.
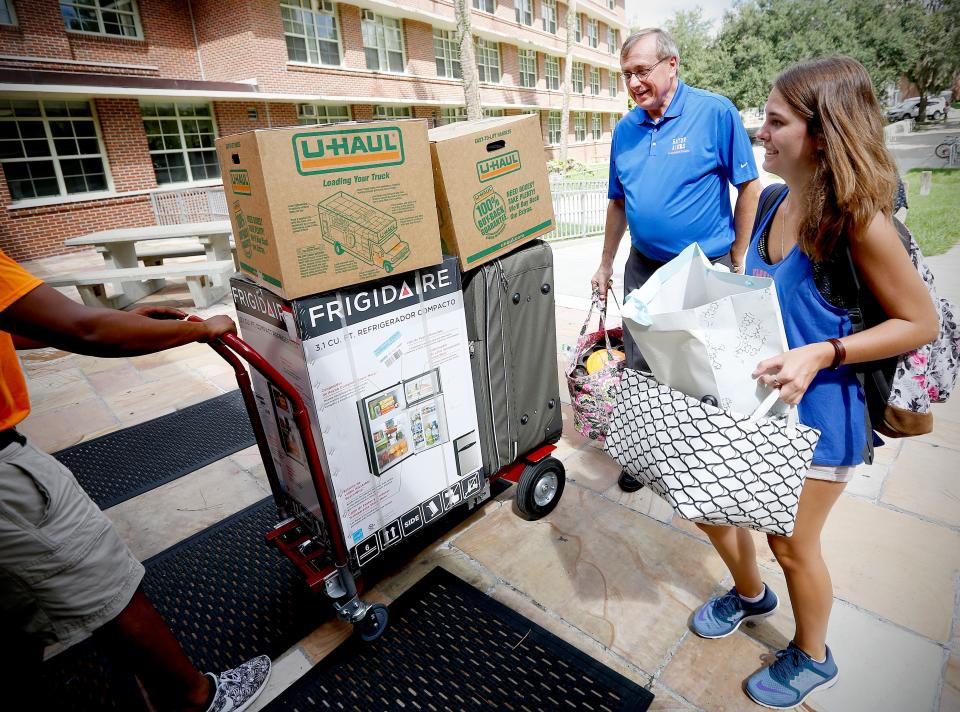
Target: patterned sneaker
(721, 616)
(238, 688)
(791, 679)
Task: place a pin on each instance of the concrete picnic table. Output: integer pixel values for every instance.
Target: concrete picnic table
(119, 248)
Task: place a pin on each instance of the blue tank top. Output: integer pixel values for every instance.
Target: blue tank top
(834, 401)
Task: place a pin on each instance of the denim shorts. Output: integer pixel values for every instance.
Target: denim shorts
(64, 571)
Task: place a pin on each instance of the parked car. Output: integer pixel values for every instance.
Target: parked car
(910, 109)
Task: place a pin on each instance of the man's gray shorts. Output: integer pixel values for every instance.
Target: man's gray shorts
(639, 269)
(64, 571)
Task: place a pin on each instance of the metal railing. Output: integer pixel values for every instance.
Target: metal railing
(173, 207)
(580, 207)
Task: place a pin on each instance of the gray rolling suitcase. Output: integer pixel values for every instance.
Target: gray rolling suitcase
(511, 324)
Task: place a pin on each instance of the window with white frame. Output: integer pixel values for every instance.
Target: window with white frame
(491, 113)
(611, 4)
(7, 15)
(593, 32)
(391, 112)
(524, 11)
(447, 54)
(552, 71)
(451, 115)
(382, 42)
(595, 81)
(528, 67)
(548, 9)
(553, 127)
(578, 28)
(485, 5)
(611, 41)
(577, 77)
(596, 127)
(613, 80)
(180, 137)
(488, 59)
(579, 126)
(322, 113)
(50, 148)
(117, 18)
(311, 32)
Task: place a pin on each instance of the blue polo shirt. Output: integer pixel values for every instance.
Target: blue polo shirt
(674, 175)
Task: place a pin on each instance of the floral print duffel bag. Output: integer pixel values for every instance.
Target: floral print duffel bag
(593, 373)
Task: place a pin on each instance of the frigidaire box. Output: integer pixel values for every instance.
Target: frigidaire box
(316, 208)
(384, 370)
(492, 188)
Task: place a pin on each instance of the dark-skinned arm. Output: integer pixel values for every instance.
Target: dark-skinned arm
(45, 317)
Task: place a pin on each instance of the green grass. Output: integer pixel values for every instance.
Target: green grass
(934, 219)
(597, 171)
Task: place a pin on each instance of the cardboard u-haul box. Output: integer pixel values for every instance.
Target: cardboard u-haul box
(492, 188)
(384, 370)
(316, 208)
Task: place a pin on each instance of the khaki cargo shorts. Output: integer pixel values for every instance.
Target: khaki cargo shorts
(64, 571)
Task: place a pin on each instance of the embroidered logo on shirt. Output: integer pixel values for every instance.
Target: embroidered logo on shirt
(679, 145)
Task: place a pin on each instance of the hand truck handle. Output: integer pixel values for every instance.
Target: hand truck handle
(231, 347)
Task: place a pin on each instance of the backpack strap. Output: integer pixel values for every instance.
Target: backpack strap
(768, 198)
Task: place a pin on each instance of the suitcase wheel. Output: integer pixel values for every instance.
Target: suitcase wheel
(373, 623)
(540, 487)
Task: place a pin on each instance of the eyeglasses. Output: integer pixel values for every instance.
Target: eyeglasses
(627, 76)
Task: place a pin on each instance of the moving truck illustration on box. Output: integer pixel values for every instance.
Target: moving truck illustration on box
(360, 229)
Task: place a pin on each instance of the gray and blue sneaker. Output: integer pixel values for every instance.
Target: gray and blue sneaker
(721, 616)
(791, 679)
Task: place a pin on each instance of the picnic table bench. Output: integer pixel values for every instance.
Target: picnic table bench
(123, 248)
(207, 281)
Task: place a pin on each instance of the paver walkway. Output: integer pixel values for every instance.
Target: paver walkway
(615, 574)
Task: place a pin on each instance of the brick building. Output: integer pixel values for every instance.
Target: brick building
(105, 103)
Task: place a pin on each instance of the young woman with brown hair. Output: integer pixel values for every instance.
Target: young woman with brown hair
(823, 135)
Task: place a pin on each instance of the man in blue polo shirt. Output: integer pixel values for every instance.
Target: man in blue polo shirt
(671, 163)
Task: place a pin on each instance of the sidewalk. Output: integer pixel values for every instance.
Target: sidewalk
(614, 574)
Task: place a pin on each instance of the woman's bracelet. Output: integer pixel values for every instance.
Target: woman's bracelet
(839, 353)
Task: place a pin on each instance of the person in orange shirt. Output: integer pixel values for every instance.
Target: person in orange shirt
(64, 571)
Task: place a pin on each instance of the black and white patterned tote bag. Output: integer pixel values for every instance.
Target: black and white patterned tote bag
(711, 465)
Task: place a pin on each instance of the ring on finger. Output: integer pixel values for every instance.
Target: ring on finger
(776, 383)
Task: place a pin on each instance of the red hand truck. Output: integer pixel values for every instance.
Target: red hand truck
(326, 566)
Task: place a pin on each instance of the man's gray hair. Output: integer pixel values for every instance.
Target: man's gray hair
(666, 45)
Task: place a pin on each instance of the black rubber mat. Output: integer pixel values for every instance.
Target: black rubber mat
(450, 647)
(115, 467)
(226, 594)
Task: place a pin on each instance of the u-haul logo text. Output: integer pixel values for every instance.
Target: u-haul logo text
(240, 182)
(490, 168)
(347, 150)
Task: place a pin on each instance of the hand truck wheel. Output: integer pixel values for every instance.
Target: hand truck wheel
(373, 623)
(540, 487)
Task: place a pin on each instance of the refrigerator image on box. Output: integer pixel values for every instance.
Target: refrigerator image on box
(403, 420)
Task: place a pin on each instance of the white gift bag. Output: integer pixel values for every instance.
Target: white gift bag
(703, 329)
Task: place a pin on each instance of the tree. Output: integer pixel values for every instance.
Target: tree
(567, 80)
(468, 61)
(933, 55)
(760, 38)
(697, 53)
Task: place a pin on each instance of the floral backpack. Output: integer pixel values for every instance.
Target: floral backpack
(594, 394)
(899, 391)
